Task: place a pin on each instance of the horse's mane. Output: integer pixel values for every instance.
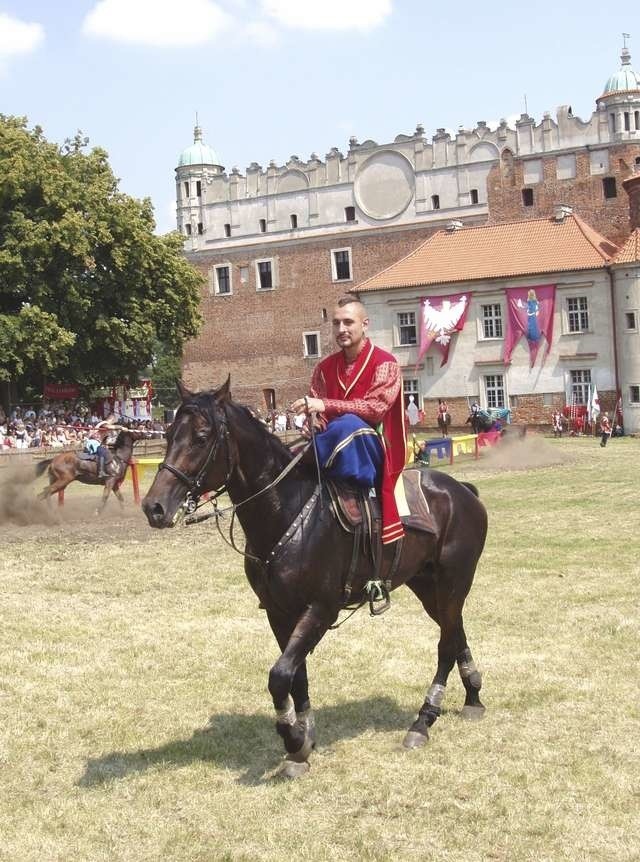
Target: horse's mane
(205, 403)
(121, 439)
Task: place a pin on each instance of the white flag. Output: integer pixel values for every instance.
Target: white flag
(595, 404)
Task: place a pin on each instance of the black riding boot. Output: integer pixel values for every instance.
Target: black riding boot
(101, 471)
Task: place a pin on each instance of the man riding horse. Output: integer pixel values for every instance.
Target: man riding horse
(444, 417)
(357, 394)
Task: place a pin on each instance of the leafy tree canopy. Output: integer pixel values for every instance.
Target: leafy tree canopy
(86, 288)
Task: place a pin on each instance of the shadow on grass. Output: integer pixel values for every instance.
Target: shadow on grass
(247, 742)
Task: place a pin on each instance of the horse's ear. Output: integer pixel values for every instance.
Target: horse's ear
(183, 392)
(224, 393)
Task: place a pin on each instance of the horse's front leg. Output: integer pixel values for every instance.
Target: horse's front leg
(118, 493)
(105, 496)
(294, 720)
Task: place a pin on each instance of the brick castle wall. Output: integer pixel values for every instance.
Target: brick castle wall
(257, 335)
(585, 193)
(632, 188)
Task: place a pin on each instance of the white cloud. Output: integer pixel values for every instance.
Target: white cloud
(262, 33)
(18, 37)
(328, 14)
(156, 22)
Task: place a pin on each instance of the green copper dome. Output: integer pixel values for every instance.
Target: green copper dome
(198, 153)
(625, 80)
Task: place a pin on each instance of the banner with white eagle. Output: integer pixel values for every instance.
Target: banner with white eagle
(441, 316)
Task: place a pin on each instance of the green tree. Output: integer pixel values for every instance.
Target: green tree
(86, 287)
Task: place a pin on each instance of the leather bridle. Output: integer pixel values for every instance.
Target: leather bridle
(194, 483)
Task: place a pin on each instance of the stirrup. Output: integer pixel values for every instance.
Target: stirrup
(379, 598)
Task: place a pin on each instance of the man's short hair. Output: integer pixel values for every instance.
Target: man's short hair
(349, 299)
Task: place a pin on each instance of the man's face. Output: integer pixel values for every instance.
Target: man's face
(349, 325)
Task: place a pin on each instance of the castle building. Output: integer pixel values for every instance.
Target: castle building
(278, 245)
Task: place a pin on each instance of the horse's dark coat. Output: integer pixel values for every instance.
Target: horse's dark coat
(301, 584)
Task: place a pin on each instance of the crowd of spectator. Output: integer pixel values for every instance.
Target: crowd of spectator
(55, 425)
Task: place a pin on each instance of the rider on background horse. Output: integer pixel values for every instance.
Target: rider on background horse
(443, 416)
(355, 391)
(97, 441)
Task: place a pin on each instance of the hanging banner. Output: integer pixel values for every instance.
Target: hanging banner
(441, 317)
(61, 391)
(529, 315)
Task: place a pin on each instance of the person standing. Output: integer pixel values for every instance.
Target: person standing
(357, 394)
(605, 429)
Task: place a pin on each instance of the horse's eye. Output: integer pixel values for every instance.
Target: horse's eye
(201, 439)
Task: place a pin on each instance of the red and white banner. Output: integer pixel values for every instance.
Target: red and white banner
(441, 316)
(529, 315)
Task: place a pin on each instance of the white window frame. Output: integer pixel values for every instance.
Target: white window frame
(485, 389)
(274, 274)
(565, 314)
(583, 383)
(414, 390)
(334, 273)
(305, 344)
(400, 326)
(215, 281)
(485, 303)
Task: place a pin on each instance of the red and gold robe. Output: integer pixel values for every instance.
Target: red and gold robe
(371, 388)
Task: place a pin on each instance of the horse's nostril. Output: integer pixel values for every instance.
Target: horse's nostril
(157, 512)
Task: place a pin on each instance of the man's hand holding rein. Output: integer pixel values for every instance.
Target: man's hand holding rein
(308, 405)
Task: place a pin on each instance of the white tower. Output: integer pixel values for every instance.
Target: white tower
(197, 166)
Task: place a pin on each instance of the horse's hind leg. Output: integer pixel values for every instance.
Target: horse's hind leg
(471, 677)
(452, 646)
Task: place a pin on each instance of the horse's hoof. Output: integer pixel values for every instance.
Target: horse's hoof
(294, 768)
(304, 752)
(413, 739)
(473, 713)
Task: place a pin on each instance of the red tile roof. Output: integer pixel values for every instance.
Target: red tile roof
(630, 251)
(498, 251)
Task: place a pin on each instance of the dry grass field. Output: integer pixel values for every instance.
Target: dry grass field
(135, 723)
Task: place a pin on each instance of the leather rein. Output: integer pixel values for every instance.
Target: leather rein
(194, 485)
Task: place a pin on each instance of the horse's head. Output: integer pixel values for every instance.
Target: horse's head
(197, 457)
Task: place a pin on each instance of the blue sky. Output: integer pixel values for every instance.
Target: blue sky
(272, 78)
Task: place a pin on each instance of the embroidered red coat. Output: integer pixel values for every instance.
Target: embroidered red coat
(371, 388)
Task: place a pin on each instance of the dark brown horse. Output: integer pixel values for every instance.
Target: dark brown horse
(480, 421)
(67, 467)
(444, 421)
(297, 555)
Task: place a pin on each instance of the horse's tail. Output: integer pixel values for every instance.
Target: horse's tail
(472, 488)
(41, 466)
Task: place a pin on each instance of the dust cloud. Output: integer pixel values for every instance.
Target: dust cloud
(523, 453)
(18, 499)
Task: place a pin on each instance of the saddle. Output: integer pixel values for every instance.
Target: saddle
(353, 507)
(358, 512)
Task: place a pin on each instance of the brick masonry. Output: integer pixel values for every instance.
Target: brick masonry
(632, 188)
(609, 216)
(529, 410)
(257, 335)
